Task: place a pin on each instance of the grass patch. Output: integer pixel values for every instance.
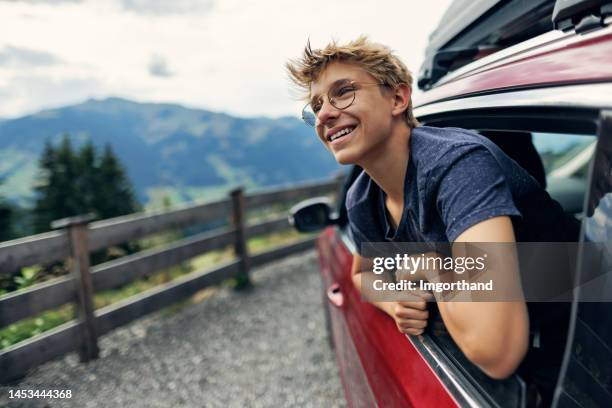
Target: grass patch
(26, 328)
(264, 242)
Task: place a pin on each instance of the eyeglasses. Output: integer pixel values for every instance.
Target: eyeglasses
(340, 96)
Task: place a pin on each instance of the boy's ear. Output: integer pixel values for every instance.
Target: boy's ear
(401, 95)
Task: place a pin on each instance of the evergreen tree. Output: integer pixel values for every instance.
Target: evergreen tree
(66, 180)
(88, 178)
(73, 184)
(57, 193)
(6, 219)
(114, 195)
(47, 198)
(6, 233)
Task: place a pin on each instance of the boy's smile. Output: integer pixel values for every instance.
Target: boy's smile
(340, 134)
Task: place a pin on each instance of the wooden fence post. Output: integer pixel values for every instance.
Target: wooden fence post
(79, 266)
(240, 244)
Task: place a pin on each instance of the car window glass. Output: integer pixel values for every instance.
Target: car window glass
(564, 155)
(560, 162)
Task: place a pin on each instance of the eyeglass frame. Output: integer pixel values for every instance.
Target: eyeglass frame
(350, 83)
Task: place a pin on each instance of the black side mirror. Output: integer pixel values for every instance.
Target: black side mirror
(312, 215)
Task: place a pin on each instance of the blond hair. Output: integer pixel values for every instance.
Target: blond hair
(377, 59)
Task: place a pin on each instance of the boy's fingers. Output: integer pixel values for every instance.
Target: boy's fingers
(416, 296)
(418, 304)
(414, 332)
(428, 296)
(423, 294)
(412, 324)
(409, 313)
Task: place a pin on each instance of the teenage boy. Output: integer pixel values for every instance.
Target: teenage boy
(424, 184)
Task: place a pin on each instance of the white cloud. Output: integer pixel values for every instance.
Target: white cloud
(38, 2)
(165, 7)
(24, 57)
(228, 56)
(158, 66)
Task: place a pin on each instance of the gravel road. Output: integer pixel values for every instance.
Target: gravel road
(261, 348)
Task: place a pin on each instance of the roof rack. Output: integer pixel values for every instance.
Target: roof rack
(581, 15)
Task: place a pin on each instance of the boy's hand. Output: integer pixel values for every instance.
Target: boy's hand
(410, 317)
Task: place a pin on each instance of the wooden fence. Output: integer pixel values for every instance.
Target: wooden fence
(78, 237)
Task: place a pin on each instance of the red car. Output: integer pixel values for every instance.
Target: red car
(536, 78)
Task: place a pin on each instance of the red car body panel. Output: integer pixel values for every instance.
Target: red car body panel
(566, 62)
(391, 371)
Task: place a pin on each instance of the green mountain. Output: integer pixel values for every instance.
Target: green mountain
(168, 150)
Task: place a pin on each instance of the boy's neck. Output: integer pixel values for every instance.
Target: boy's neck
(389, 164)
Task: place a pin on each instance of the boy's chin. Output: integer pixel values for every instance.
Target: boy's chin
(345, 158)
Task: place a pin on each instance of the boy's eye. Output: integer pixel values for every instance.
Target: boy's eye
(343, 90)
(316, 106)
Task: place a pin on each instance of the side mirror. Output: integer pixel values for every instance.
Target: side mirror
(312, 215)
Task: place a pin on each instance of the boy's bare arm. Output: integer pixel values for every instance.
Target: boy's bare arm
(493, 335)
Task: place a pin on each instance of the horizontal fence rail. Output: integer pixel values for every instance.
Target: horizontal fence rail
(276, 196)
(16, 360)
(116, 273)
(35, 249)
(53, 246)
(117, 230)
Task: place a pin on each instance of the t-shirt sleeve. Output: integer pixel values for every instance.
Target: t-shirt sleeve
(357, 236)
(470, 187)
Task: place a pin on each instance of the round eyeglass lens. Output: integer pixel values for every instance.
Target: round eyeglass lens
(342, 97)
(309, 116)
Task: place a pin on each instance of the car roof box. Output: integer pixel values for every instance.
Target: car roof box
(470, 29)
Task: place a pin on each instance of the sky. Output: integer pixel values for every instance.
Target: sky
(220, 55)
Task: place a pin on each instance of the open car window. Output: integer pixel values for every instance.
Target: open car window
(566, 159)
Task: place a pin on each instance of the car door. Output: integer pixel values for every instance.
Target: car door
(335, 260)
(379, 365)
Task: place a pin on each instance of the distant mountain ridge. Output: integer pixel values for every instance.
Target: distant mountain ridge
(167, 149)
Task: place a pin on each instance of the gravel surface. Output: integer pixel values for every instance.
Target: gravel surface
(261, 348)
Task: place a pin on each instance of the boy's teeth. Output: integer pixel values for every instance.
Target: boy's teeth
(340, 133)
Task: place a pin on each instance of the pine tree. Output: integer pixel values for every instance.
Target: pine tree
(6, 233)
(73, 184)
(46, 193)
(6, 219)
(66, 179)
(114, 195)
(87, 180)
(57, 194)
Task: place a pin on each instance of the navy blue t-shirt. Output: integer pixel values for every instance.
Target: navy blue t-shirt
(455, 179)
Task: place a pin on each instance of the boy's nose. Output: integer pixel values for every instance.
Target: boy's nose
(327, 112)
